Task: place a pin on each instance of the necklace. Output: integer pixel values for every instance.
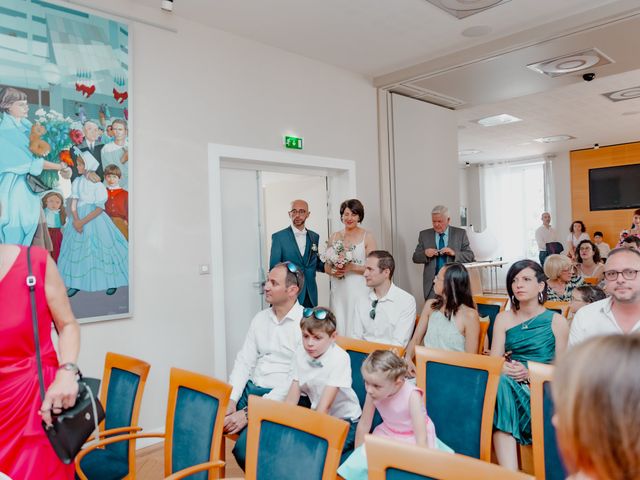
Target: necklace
(526, 323)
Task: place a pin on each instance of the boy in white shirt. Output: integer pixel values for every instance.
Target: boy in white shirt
(322, 371)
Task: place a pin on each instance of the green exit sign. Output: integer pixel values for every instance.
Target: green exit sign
(293, 142)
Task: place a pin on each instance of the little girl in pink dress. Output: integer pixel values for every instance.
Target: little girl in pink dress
(400, 405)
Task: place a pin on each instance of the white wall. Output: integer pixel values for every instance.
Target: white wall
(191, 88)
(426, 174)
(562, 187)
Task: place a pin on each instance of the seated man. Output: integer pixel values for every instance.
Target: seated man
(388, 314)
(263, 363)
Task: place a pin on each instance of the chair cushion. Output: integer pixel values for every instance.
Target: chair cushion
(104, 465)
(121, 394)
(395, 474)
(455, 398)
(492, 312)
(193, 425)
(553, 466)
(357, 383)
(284, 452)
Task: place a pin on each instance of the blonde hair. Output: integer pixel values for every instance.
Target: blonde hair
(386, 362)
(554, 264)
(596, 392)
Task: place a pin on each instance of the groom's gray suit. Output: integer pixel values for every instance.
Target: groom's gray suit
(457, 241)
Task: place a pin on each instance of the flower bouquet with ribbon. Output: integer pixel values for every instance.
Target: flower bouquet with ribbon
(338, 255)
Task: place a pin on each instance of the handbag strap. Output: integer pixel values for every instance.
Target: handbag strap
(31, 283)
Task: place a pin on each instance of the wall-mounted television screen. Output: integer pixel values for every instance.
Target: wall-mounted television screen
(614, 188)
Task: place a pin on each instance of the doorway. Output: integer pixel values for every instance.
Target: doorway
(250, 195)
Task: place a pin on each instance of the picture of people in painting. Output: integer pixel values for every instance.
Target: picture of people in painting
(65, 160)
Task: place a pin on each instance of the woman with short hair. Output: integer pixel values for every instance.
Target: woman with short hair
(562, 278)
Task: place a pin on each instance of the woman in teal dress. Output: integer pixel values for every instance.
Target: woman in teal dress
(527, 332)
(20, 209)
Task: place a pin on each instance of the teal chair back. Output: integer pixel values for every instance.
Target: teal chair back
(460, 393)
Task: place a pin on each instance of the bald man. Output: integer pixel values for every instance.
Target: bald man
(299, 246)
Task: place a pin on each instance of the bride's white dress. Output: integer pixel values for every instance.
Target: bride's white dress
(345, 292)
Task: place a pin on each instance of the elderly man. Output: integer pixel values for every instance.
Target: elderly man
(619, 313)
(440, 245)
(388, 314)
(262, 364)
(298, 245)
(90, 144)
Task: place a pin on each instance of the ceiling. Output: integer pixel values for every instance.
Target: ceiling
(416, 49)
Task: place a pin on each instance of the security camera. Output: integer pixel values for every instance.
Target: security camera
(587, 77)
(596, 146)
(167, 5)
(467, 164)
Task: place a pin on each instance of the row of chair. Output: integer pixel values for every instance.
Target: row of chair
(460, 392)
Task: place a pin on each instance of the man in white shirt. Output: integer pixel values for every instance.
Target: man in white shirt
(618, 314)
(545, 233)
(263, 363)
(388, 314)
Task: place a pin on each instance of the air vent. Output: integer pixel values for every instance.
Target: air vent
(625, 94)
(465, 8)
(571, 63)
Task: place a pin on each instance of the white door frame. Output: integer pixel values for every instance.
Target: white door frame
(342, 181)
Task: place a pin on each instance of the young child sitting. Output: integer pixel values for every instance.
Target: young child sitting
(400, 405)
(117, 204)
(322, 371)
(603, 247)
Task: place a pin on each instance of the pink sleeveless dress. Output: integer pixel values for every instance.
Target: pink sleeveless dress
(396, 417)
(25, 451)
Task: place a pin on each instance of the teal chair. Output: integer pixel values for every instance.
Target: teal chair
(391, 460)
(490, 307)
(547, 462)
(460, 393)
(193, 431)
(123, 385)
(288, 442)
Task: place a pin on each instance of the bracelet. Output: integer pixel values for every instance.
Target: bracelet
(70, 367)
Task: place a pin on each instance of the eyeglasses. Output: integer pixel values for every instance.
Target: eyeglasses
(293, 268)
(627, 274)
(318, 312)
(372, 312)
(297, 212)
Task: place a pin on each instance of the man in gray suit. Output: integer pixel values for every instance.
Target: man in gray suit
(440, 245)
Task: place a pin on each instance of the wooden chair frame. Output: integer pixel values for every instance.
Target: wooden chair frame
(362, 346)
(489, 300)
(539, 374)
(492, 365)
(383, 453)
(139, 368)
(194, 381)
(484, 328)
(592, 280)
(333, 430)
(555, 305)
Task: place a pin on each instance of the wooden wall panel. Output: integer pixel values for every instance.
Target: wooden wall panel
(610, 222)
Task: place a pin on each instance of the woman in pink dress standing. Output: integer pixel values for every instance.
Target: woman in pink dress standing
(25, 451)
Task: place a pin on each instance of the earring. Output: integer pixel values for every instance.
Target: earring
(540, 297)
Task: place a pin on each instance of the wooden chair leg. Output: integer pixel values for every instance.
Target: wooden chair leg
(223, 456)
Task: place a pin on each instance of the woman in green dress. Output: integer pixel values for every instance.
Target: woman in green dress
(527, 332)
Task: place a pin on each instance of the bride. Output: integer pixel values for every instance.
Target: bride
(348, 285)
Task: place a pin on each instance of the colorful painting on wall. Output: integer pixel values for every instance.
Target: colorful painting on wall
(65, 163)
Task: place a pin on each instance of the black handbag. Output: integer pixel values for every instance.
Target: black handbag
(36, 185)
(73, 426)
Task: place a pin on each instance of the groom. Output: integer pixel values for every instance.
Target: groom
(298, 245)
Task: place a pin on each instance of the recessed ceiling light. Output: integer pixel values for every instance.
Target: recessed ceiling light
(554, 138)
(502, 119)
(625, 94)
(464, 8)
(476, 31)
(469, 151)
(571, 63)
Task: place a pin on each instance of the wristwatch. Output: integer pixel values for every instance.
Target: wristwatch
(69, 366)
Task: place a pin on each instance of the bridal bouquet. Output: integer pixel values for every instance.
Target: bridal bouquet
(338, 255)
